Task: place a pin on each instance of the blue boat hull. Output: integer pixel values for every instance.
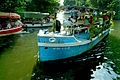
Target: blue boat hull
(49, 53)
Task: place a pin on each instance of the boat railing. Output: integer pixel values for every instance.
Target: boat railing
(9, 25)
(94, 29)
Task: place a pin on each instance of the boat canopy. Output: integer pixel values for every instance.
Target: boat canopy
(34, 14)
(9, 15)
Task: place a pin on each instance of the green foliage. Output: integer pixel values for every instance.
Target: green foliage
(54, 25)
(28, 5)
(69, 2)
(12, 5)
(113, 5)
(42, 5)
(106, 26)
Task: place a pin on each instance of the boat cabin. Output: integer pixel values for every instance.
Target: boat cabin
(10, 23)
(9, 20)
(90, 20)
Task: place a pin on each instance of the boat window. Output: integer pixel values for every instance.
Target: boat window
(4, 20)
(46, 47)
(14, 19)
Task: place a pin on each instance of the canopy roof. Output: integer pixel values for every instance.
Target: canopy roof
(9, 15)
(34, 14)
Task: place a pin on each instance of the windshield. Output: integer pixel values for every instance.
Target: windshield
(4, 20)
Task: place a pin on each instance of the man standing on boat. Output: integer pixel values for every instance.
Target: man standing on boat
(58, 25)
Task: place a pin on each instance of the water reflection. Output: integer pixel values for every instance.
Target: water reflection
(92, 65)
(7, 41)
(18, 56)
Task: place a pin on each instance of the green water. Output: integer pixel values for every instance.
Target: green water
(18, 55)
(113, 45)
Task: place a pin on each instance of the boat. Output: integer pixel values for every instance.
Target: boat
(73, 39)
(36, 19)
(37, 25)
(9, 23)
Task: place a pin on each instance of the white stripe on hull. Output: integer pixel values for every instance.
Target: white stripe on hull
(70, 44)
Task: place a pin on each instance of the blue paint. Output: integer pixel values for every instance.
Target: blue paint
(55, 53)
(58, 39)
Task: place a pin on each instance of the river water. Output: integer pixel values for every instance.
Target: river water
(18, 60)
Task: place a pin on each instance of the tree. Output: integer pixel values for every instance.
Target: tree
(42, 5)
(111, 5)
(69, 2)
(12, 5)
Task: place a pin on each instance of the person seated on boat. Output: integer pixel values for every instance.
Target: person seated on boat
(72, 20)
(95, 13)
(48, 19)
(80, 19)
(86, 22)
(13, 24)
(87, 14)
(8, 25)
(71, 14)
(76, 19)
(51, 18)
(91, 12)
(101, 15)
(75, 14)
(4, 25)
(90, 20)
(0, 26)
(83, 12)
(18, 22)
(106, 19)
(79, 13)
(69, 19)
(67, 23)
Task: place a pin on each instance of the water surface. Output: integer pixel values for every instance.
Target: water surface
(18, 60)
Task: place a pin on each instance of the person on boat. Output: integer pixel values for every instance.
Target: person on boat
(69, 19)
(72, 20)
(83, 12)
(86, 22)
(0, 26)
(18, 23)
(79, 13)
(8, 25)
(90, 20)
(91, 12)
(105, 19)
(76, 19)
(51, 18)
(48, 19)
(71, 14)
(58, 25)
(95, 13)
(56, 13)
(80, 18)
(101, 16)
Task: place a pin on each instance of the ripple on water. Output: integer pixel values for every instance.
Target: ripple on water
(104, 72)
(90, 66)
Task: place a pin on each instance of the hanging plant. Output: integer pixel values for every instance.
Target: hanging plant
(54, 25)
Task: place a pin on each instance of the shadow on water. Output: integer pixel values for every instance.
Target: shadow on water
(92, 65)
(7, 41)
